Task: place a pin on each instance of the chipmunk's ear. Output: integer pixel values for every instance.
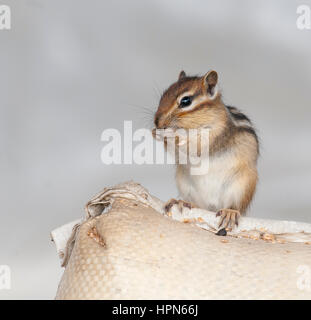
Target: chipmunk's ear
(210, 81)
(182, 74)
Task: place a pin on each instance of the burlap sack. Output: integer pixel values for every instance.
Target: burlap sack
(127, 249)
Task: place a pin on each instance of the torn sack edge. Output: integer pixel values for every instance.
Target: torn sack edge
(252, 228)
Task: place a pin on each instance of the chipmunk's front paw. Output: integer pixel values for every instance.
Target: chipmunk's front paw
(154, 133)
(228, 218)
(181, 204)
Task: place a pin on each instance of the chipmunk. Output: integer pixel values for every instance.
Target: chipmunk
(194, 102)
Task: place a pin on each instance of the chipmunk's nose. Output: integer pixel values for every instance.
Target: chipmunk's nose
(160, 121)
(156, 121)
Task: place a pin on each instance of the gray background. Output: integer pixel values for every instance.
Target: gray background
(70, 69)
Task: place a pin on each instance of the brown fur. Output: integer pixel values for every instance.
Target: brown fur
(229, 128)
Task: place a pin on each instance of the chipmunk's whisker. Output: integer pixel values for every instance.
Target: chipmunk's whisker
(146, 114)
(157, 90)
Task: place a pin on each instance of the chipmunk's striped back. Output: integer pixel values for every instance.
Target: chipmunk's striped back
(242, 121)
(239, 118)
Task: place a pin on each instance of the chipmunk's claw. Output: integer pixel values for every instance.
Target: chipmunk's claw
(228, 218)
(181, 205)
(169, 204)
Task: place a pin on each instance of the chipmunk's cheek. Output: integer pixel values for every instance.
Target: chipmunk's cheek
(183, 122)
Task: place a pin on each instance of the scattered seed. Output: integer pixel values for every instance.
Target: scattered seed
(222, 232)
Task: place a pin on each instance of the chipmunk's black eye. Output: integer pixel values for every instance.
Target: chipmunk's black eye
(185, 102)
